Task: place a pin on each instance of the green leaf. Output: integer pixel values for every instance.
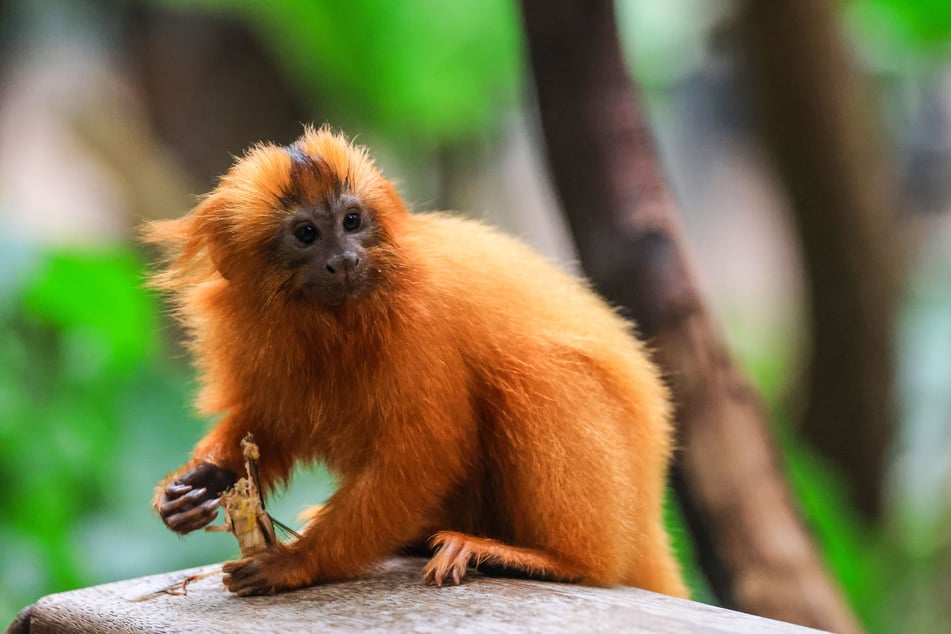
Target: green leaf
(97, 300)
(925, 24)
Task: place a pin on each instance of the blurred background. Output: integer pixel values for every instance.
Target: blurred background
(113, 112)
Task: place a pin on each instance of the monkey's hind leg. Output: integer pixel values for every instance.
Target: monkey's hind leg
(455, 552)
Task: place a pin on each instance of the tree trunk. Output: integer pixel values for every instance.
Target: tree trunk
(823, 140)
(751, 542)
(209, 85)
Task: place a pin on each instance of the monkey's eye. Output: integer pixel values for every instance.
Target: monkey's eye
(352, 221)
(306, 234)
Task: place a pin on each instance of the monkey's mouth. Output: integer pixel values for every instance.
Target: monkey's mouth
(336, 292)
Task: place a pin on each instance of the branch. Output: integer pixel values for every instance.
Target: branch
(824, 143)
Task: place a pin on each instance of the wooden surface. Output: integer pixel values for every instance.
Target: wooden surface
(393, 599)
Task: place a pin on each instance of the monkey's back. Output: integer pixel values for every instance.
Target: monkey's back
(506, 283)
(572, 409)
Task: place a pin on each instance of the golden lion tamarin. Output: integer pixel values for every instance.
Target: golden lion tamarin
(471, 398)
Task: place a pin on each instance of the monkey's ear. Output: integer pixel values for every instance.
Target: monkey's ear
(211, 226)
(194, 245)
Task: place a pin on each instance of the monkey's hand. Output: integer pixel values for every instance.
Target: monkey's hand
(275, 570)
(190, 500)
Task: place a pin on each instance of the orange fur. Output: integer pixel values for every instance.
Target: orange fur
(473, 388)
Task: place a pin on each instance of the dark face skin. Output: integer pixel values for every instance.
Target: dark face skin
(325, 246)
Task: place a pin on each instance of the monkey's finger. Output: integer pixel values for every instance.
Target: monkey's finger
(173, 491)
(247, 587)
(431, 573)
(184, 502)
(193, 519)
(460, 564)
(251, 590)
(241, 569)
(186, 525)
(193, 524)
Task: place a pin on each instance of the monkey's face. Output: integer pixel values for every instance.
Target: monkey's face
(311, 222)
(326, 248)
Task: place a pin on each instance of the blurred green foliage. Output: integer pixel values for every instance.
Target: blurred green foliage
(94, 297)
(420, 70)
(92, 414)
(920, 23)
(91, 417)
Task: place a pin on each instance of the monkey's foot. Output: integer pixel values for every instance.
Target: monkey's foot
(455, 552)
(269, 572)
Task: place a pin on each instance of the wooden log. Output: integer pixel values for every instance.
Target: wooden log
(392, 599)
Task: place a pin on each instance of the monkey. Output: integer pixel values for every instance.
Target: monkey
(474, 401)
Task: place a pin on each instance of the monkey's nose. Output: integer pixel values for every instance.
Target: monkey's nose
(345, 263)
